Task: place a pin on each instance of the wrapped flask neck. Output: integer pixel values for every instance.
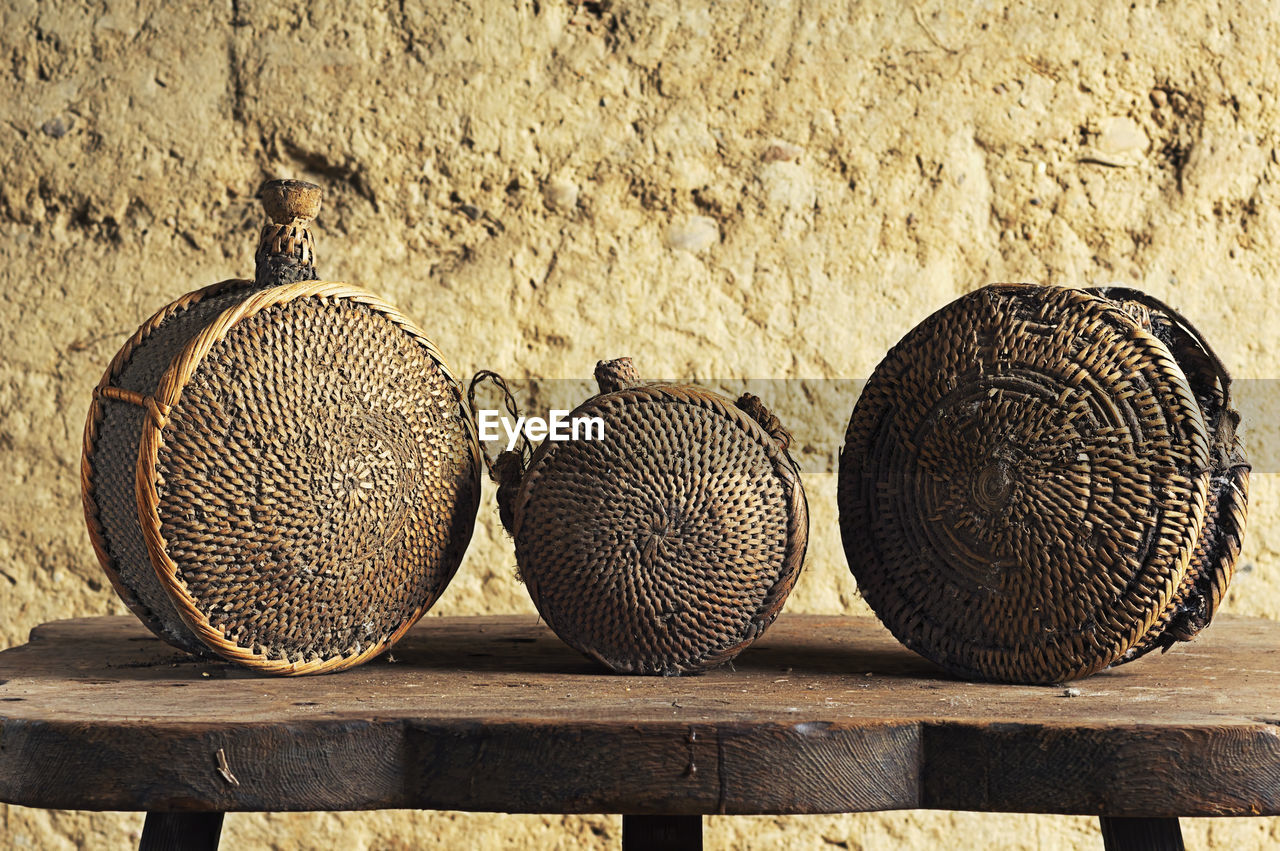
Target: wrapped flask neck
(286, 250)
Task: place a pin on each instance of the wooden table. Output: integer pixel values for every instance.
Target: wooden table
(823, 715)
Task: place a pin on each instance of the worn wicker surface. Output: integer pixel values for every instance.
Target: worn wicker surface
(297, 463)
(109, 464)
(671, 544)
(1024, 482)
(1213, 560)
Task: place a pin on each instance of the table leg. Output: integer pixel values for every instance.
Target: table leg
(181, 832)
(1141, 834)
(662, 833)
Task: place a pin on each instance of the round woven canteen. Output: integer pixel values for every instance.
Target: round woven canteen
(281, 471)
(1039, 482)
(668, 542)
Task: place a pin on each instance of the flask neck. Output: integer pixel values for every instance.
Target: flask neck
(286, 254)
(286, 250)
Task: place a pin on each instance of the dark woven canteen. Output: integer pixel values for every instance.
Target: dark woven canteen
(283, 471)
(669, 544)
(1040, 482)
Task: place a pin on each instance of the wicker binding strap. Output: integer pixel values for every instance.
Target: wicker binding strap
(672, 543)
(285, 474)
(1039, 482)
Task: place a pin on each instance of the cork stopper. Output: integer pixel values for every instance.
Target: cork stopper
(290, 202)
(618, 374)
(286, 252)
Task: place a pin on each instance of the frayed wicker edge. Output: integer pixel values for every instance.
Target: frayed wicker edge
(94, 421)
(1225, 520)
(783, 465)
(167, 394)
(1154, 350)
(1232, 526)
(1210, 577)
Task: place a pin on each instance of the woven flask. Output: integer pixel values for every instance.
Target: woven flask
(280, 471)
(671, 542)
(1040, 482)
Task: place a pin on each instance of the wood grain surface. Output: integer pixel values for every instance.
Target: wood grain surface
(824, 714)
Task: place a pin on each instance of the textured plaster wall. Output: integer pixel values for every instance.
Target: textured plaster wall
(773, 190)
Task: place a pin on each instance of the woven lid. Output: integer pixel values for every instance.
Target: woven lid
(305, 474)
(1023, 482)
(670, 543)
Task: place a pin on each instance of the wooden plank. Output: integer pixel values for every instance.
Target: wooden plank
(662, 767)
(1140, 768)
(824, 714)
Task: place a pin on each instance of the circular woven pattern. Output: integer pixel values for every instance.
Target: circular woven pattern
(1022, 483)
(670, 544)
(314, 485)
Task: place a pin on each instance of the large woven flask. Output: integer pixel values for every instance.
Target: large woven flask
(669, 542)
(1040, 482)
(281, 471)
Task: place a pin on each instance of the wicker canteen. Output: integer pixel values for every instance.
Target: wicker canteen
(281, 471)
(1040, 482)
(669, 544)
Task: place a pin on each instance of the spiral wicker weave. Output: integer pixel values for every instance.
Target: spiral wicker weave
(669, 545)
(1039, 482)
(284, 475)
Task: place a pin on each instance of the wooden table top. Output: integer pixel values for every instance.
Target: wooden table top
(824, 714)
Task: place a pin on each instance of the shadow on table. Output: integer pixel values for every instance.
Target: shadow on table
(104, 650)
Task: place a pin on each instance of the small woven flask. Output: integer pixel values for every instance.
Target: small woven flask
(669, 542)
(1040, 482)
(281, 471)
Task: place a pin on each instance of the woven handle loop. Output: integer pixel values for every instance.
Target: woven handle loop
(751, 405)
(507, 470)
(617, 374)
